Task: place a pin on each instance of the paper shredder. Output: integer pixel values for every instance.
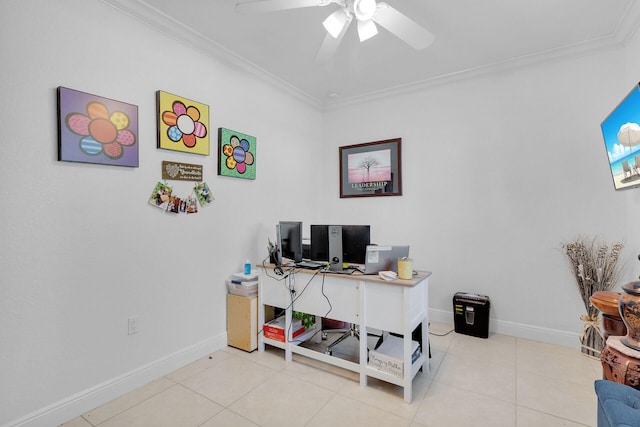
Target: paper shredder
(471, 314)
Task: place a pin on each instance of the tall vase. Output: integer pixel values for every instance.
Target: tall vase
(592, 340)
(630, 312)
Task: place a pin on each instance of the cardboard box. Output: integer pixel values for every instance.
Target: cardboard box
(242, 322)
(389, 358)
(275, 329)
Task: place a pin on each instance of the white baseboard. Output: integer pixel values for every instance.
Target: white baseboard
(536, 333)
(100, 394)
(86, 400)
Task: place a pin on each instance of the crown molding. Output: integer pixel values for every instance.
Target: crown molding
(143, 12)
(540, 58)
(628, 24)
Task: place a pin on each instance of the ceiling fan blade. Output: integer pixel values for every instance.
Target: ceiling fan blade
(403, 27)
(366, 29)
(266, 6)
(330, 44)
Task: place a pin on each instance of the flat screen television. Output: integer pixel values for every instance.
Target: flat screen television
(355, 239)
(621, 132)
(289, 236)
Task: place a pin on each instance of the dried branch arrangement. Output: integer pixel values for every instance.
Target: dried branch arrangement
(595, 266)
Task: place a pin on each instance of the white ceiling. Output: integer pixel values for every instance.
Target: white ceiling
(472, 36)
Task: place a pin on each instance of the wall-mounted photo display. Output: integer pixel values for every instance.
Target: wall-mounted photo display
(187, 204)
(94, 129)
(165, 198)
(160, 196)
(183, 124)
(371, 169)
(236, 154)
(203, 193)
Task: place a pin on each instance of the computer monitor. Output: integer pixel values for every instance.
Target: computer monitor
(384, 258)
(355, 239)
(289, 237)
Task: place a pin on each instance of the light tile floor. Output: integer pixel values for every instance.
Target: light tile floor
(499, 381)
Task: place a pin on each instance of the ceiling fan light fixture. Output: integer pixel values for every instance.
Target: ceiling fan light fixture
(334, 24)
(364, 9)
(366, 30)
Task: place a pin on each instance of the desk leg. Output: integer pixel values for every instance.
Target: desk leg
(361, 287)
(260, 324)
(407, 381)
(288, 319)
(426, 346)
(317, 338)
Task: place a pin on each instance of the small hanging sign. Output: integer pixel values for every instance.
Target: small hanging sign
(181, 171)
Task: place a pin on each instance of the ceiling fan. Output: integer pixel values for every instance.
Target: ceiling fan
(367, 14)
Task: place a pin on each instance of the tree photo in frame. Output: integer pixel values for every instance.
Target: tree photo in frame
(371, 169)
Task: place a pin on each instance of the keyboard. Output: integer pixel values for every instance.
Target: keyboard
(344, 271)
(311, 265)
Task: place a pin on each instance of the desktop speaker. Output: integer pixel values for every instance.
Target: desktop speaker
(335, 248)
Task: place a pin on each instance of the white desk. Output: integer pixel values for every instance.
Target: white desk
(397, 306)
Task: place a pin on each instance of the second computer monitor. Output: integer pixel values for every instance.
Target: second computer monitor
(289, 236)
(355, 239)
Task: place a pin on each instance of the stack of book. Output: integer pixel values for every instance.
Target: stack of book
(275, 329)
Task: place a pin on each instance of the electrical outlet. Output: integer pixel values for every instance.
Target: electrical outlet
(133, 325)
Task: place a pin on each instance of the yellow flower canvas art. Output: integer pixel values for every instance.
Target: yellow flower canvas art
(183, 124)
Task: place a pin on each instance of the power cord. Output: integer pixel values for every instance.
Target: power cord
(326, 297)
(277, 269)
(441, 335)
(295, 295)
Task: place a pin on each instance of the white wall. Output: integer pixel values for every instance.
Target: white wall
(81, 248)
(497, 172)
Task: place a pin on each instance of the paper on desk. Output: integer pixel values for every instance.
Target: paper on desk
(388, 275)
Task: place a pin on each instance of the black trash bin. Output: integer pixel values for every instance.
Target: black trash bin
(471, 314)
